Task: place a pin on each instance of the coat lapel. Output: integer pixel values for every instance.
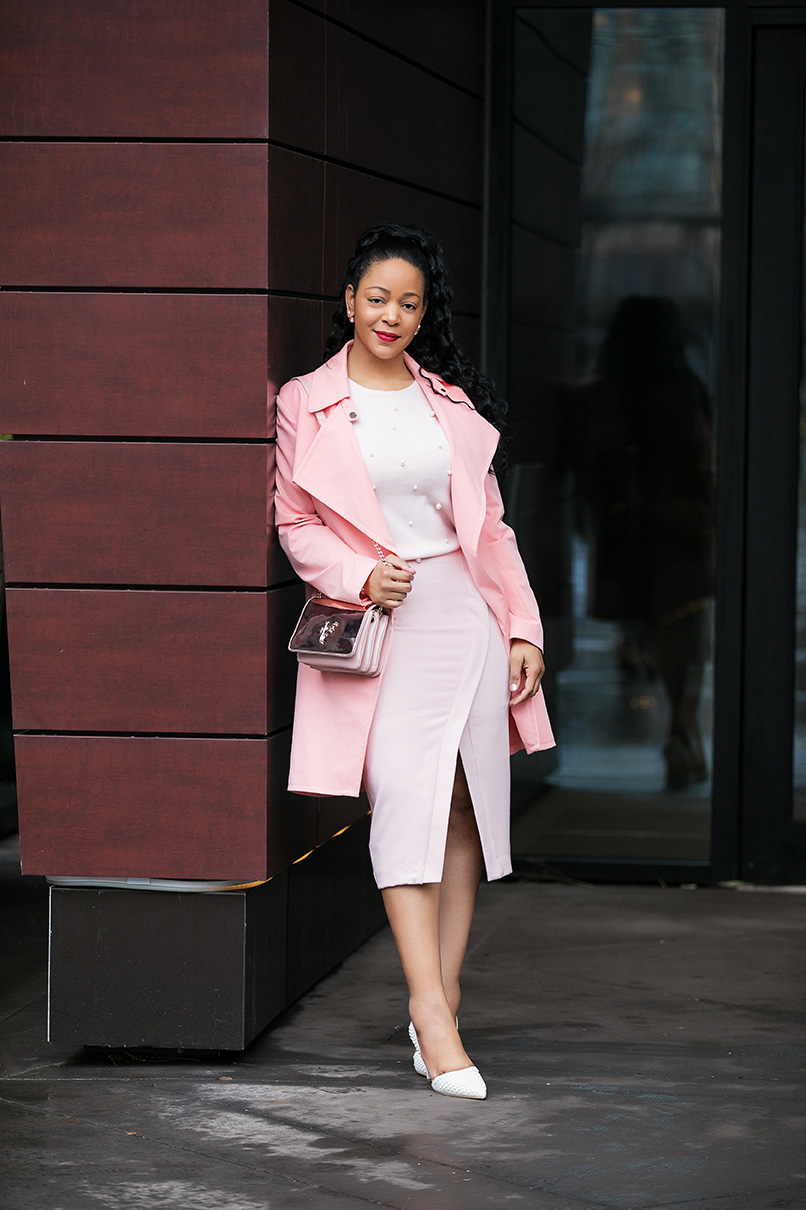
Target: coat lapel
(332, 469)
(473, 441)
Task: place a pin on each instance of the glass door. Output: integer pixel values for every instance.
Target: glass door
(614, 291)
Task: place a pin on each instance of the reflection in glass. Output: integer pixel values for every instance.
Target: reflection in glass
(632, 389)
(652, 172)
(645, 495)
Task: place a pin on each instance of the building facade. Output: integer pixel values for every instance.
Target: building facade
(618, 191)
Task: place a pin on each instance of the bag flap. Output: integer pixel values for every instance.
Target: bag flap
(328, 627)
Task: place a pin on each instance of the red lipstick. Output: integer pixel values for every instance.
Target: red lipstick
(387, 337)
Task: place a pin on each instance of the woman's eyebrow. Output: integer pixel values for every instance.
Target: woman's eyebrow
(383, 290)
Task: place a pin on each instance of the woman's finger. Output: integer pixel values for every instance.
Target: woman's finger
(397, 591)
(532, 675)
(396, 561)
(395, 564)
(394, 597)
(397, 584)
(532, 681)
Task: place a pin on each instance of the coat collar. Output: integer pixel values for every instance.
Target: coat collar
(330, 384)
(323, 469)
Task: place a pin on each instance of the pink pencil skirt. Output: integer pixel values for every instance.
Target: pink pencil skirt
(444, 694)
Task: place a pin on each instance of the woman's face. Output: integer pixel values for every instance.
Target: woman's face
(387, 307)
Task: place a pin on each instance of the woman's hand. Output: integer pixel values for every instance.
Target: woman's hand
(525, 662)
(389, 582)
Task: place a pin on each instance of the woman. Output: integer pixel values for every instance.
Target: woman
(385, 494)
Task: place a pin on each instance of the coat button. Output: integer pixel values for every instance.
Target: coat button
(353, 415)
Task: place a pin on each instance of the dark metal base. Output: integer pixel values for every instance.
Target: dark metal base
(204, 971)
(333, 905)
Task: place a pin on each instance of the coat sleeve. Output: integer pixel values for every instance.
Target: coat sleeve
(524, 615)
(318, 555)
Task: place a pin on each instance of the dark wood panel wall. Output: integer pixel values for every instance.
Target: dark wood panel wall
(182, 185)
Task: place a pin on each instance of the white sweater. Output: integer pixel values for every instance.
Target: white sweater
(409, 463)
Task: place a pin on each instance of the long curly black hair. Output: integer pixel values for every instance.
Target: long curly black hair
(434, 346)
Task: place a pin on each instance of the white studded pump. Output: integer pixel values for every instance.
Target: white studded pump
(417, 1058)
(466, 1082)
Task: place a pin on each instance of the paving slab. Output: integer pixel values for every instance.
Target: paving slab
(643, 1049)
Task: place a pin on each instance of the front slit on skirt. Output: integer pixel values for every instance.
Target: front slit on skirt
(444, 693)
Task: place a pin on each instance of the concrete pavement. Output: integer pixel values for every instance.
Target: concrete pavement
(643, 1049)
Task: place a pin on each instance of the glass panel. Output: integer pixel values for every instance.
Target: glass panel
(615, 275)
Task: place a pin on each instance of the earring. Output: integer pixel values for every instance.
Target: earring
(351, 318)
(417, 329)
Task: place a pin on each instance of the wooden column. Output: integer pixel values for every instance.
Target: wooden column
(176, 214)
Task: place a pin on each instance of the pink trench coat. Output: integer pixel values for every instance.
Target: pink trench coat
(328, 517)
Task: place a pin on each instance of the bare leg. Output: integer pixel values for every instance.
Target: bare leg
(426, 917)
(413, 913)
(461, 875)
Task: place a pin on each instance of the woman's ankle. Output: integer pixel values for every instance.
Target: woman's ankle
(453, 995)
(429, 1009)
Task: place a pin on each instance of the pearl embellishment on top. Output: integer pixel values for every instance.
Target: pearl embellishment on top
(400, 441)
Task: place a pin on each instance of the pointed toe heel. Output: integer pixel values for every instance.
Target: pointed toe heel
(467, 1082)
(419, 1062)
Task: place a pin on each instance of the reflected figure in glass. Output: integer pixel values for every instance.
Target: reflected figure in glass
(645, 492)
